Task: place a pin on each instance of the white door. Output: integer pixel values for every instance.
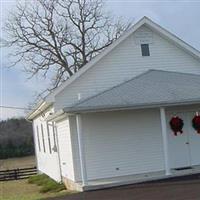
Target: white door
(184, 149)
(65, 148)
(62, 135)
(179, 148)
(194, 142)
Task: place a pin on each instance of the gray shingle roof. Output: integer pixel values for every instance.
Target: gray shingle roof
(152, 88)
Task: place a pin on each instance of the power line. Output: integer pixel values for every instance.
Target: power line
(15, 108)
(20, 108)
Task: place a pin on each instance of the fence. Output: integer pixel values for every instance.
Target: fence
(16, 174)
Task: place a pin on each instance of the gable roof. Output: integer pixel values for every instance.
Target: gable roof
(144, 21)
(150, 89)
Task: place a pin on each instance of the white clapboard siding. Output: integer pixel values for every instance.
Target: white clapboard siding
(65, 148)
(125, 62)
(121, 143)
(47, 162)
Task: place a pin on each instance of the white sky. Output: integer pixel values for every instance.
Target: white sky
(180, 17)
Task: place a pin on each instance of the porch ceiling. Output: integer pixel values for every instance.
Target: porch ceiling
(152, 88)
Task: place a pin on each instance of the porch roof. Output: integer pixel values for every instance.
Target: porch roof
(150, 89)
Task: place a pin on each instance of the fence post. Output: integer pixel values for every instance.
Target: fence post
(15, 174)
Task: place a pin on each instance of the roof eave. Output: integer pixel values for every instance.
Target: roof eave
(38, 110)
(131, 107)
(173, 38)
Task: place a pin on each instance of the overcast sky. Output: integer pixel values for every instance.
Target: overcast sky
(180, 17)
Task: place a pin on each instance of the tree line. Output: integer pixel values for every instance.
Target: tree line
(16, 138)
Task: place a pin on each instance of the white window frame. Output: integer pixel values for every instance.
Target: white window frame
(43, 140)
(38, 138)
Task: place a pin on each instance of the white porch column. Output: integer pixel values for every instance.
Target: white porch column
(165, 140)
(81, 151)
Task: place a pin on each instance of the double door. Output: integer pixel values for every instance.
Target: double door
(184, 149)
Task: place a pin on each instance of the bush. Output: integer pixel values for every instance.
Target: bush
(47, 184)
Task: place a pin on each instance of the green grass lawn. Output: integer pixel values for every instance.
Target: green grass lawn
(22, 190)
(36, 188)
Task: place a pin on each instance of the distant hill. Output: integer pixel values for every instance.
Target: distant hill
(16, 138)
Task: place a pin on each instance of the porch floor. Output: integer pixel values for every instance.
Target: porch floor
(138, 178)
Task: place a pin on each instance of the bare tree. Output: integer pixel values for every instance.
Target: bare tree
(58, 37)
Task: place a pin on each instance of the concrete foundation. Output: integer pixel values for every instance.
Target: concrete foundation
(71, 185)
(127, 180)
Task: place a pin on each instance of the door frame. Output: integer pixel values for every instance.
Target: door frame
(179, 146)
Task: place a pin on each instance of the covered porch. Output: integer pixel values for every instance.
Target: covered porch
(180, 153)
(135, 115)
(179, 157)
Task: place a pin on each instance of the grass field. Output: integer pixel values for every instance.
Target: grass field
(12, 163)
(22, 190)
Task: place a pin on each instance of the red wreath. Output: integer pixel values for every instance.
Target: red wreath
(196, 123)
(176, 125)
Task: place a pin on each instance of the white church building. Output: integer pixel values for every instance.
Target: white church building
(130, 115)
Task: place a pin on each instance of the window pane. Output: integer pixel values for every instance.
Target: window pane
(145, 50)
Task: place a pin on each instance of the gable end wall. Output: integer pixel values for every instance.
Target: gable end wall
(126, 62)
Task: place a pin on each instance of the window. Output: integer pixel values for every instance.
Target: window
(37, 129)
(49, 140)
(43, 138)
(54, 137)
(145, 49)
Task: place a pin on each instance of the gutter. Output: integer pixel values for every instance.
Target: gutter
(74, 110)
